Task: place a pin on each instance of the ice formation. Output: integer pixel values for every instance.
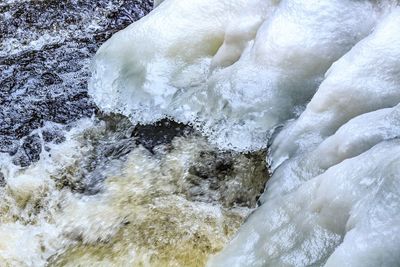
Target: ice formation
(334, 201)
(149, 76)
(353, 138)
(365, 79)
(239, 69)
(233, 56)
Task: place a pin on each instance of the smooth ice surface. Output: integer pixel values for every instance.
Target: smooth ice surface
(365, 79)
(226, 66)
(353, 138)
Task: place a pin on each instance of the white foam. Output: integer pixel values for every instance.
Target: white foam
(28, 236)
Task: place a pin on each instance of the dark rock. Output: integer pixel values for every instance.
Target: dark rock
(161, 132)
(230, 178)
(212, 164)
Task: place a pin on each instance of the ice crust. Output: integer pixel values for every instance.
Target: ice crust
(235, 69)
(326, 72)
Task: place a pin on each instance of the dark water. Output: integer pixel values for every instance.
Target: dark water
(45, 52)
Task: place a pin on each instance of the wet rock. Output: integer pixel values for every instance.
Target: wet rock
(213, 164)
(230, 178)
(161, 132)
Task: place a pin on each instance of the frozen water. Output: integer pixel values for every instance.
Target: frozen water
(229, 69)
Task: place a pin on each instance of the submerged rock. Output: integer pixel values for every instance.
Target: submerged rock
(159, 133)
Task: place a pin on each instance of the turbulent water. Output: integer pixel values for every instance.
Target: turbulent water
(45, 52)
(81, 188)
(161, 159)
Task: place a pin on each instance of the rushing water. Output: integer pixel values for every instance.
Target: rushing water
(99, 199)
(79, 188)
(45, 52)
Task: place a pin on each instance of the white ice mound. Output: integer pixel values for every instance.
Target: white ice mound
(335, 199)
(347, 216)
(366, 79)
(353, 138)
(141, 70)
(233, 68)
